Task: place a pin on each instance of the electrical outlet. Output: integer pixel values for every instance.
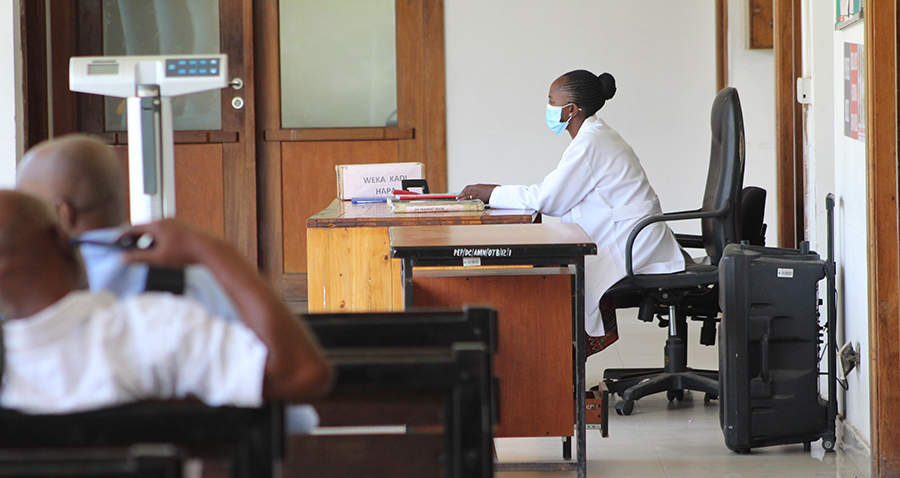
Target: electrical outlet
(849, 356)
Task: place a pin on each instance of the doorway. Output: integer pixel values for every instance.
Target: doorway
(246, 168)
(215, 178)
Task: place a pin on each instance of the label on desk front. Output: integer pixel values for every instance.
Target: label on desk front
(471, 261)
(482, 252)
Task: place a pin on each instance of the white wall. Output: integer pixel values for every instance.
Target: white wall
(752, 72)
(501, 61)
(818, 149)
(851, 239)
(837, 164)
(9, 103)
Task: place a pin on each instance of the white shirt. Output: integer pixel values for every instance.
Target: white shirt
(90, 350)
(107, 271)
(600, 185)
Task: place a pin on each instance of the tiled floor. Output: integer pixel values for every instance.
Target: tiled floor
(668, 440)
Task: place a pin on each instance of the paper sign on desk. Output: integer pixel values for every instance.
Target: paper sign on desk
(370, 180)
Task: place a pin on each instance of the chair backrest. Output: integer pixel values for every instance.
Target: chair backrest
(753, 210)
(726, 174)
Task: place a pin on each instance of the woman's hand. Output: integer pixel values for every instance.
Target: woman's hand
(477, 191)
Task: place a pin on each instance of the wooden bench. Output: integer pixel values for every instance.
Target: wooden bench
(425, 374)
(137, 461)
(250, 438)
(441, 360)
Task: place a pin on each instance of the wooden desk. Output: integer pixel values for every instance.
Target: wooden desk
(534, 352)
(349, 268)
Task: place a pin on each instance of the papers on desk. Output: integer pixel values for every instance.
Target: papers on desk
(434, 205)
(408, 202)
(406, 195)
(401, 195)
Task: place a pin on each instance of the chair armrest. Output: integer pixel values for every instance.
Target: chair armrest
(665, 217)
(690, 241)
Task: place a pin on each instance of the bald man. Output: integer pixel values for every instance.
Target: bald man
(84, 181)
(68, 349)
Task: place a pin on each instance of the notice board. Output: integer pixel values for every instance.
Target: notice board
(854, 91)
(847, 12)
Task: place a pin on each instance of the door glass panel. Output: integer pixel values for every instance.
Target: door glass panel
(165, 27)
(338, 63)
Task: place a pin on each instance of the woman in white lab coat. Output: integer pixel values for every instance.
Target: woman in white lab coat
(600, 185)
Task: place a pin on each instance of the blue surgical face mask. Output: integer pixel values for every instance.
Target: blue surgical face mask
(553, 114)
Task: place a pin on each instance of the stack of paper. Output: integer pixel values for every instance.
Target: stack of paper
(434, 205)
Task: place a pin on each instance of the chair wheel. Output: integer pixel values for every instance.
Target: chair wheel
(624, 407)
(675, 395)
(828, 443)
(709, 397)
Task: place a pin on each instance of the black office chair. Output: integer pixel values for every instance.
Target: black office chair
(692, 292)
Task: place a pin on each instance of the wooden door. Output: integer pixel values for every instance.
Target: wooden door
(221, 171)
(296, 165)
(215, 165)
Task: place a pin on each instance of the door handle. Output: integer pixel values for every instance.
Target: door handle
(236, 83)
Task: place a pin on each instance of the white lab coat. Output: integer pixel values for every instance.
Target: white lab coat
(600, 185)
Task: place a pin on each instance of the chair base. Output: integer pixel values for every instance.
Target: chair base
(634, 384)
(674, 379)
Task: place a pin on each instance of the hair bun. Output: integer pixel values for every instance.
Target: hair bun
(607, 85)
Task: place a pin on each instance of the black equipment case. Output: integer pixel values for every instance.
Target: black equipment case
(770, 344)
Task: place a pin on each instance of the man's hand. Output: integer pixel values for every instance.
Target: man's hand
(175, 244)
(295, 365)
(477, 191)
